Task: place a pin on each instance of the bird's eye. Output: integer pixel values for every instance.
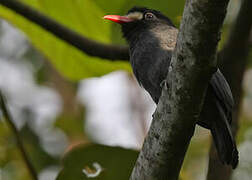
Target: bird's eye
(149, 16)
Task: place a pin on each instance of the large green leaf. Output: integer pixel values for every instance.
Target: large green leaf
(84, 17)
(116, 163)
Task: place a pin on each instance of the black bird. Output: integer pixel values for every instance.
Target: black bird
(152, 38)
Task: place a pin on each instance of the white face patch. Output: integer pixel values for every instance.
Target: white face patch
(135, 15)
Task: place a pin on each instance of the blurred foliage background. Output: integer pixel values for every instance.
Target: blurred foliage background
(66, 104)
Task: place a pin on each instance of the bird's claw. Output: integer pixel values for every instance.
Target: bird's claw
(164, 84)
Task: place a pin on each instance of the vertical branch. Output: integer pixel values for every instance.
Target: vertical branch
(13, 128)
(233, 60)
(192, 65)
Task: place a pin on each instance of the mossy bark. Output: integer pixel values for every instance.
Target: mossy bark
(192, 64)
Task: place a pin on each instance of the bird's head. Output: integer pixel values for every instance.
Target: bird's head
(139, 19)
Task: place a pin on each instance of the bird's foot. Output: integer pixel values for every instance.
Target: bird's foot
(164, 84)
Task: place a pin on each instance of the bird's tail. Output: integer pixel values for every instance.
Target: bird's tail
(223, 139)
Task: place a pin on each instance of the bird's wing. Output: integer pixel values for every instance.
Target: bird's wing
(223, 93)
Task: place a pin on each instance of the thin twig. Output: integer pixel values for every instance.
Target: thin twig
(88, 46)
(14, 129)
(233, 59)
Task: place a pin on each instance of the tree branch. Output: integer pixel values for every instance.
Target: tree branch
(20, 145)
(233, 59)
(192, 64)
(88, 46)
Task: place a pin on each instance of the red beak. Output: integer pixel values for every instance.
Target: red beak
(118, 19)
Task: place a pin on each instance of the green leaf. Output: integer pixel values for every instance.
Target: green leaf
(84, 17)
(116, 163)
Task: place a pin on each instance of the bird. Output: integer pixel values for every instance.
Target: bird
(152, 38)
